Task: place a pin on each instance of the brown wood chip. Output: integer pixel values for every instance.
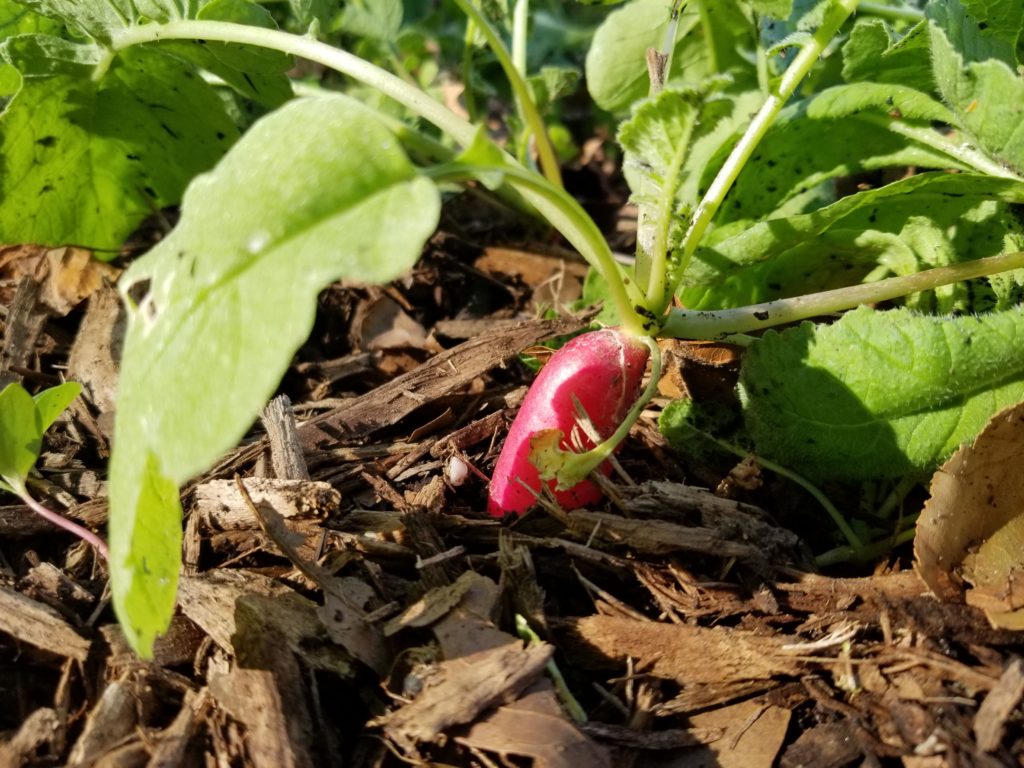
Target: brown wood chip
(440, 375)
(39, 625)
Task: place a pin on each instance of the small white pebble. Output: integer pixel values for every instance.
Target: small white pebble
(456, 471)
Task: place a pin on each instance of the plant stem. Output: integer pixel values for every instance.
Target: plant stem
(713, 198)
(520, 32)
(690, 324)
(855, 544)
(62, 522)
(962, 153)
(655, 220)
(867, 552)
(573, 224)
(527, 107)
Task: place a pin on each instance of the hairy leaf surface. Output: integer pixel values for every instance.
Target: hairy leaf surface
(839, 243)
(315, 191)
(841, 131)
(875, 53)
(879, 394)
(975, 66)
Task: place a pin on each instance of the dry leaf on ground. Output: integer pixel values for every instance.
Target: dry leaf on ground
(972, 528)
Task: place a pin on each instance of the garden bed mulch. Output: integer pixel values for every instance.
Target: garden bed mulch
(345, 600)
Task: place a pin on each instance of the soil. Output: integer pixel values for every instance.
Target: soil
(346, 601)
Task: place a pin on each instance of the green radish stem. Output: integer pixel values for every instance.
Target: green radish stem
(706, 209)
(545, 152)
(560, 211)
(716, 324)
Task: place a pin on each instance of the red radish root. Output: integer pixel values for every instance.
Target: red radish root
(603, 371)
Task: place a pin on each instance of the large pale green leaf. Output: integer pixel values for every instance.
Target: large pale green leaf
(615, 69)
(315, 191)
(38, 55)
(100, 18)
(84, 162)
(742, 263)
(879, 394)
(97, 19)
(21, 435)
(975, 68)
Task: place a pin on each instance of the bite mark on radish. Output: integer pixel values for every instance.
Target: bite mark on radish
(603, 372)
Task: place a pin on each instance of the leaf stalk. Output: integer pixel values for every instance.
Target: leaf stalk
(692, 324)
(744, 148)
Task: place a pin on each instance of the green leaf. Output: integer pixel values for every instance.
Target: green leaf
(879, 394)
(21, 435)
(16, 19)
(841, 242)
(256, 73)
(145, 556)
(310, 12)
(980, 29)
(375, 19)
(93, 19)
(41, 55)
(839, 132)
(52, 402)
(658, 143)
(874, 52)
(616, 69)
(976, 74)
(316, 191)
(775, 9)
(553, 83)
(85, 163)
(99, 18)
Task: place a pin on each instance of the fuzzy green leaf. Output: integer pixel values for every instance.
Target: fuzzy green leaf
(879, 394)
(658, 142)
(52, 402)
(21, 435)
(316, 191)
(975, 68)
(84, 163)
(744, 263)
(841, 131)
(875, 53)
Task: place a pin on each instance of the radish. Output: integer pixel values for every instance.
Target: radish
(600, 372)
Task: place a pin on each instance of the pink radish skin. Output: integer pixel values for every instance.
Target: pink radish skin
(604, 370)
